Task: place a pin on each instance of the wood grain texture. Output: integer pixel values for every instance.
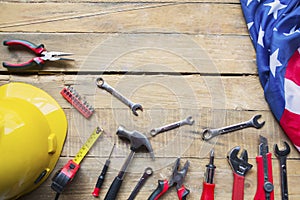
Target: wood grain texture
(175, 57)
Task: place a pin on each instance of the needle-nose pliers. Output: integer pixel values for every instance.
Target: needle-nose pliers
(40, 50)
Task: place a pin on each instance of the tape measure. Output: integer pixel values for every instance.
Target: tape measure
(66, 174)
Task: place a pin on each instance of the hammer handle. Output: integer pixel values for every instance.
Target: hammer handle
(114, 189)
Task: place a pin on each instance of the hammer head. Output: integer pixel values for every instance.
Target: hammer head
(136, 139)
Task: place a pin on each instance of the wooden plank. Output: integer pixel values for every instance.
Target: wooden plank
(82, 186)
(158, 91)
(168, 53)
(191, 18)
(127, 1)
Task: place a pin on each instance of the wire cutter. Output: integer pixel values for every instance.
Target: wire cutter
(178, 178)
(42, 54)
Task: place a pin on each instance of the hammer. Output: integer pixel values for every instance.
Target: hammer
(137, 140)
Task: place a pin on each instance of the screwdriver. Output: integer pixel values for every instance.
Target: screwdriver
(208, 183)
(102, 175)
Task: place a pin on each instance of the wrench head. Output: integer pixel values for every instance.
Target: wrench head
(136, 107)
(256, 123)
(282, 153)
(240, 164)
(189, 120)
(99, 82)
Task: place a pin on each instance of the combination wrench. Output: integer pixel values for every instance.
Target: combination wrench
(187, 121)
(133, 106)
(208, 134)
(147, 173)
(282, 155)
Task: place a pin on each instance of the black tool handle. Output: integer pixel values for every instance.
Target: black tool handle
(114, 189)
(100, 181)
(162, 187)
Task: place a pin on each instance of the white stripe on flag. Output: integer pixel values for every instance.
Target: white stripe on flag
(292, 96)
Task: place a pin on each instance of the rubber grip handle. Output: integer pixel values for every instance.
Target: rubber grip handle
(114, 189)
(162, 188)
(100, 181)
(238, 187)
(38, 49)
(208, 191)
(260, 191)
(182, 193)
(30, 63)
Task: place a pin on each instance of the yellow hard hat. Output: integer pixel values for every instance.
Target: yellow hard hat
(33, 128)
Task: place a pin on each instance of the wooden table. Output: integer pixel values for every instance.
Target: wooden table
(176, 58)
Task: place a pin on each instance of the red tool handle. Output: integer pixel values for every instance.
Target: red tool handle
(36, 49)
(208, 191)
(182, 193)
(238, 187)
(260, 191)
(162, 188)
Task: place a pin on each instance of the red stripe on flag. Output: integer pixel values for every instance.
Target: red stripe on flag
(290, 122)
(293, 68)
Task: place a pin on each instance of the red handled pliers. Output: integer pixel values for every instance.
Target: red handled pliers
(42, 54)
(178, 178)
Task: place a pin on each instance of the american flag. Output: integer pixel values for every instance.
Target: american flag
(274, 27)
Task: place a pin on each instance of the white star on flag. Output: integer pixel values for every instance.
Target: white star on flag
(248, 2)
(261, 35)
(275, 7)
(274, 62)
(249, 25)
(292, 31)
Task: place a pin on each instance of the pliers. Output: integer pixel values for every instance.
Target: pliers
(178, 178)
(42, 54)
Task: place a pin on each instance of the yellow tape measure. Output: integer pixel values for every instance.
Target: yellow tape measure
(88, 144)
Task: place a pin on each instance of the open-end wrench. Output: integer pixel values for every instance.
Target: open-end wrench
(281, 155)
(133, 106)
(208, 134)
(187, 121)
(147, 173)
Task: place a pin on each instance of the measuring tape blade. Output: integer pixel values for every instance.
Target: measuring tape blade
(88, 144)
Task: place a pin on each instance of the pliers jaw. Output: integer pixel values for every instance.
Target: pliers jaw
(54, 55)
(178, 175)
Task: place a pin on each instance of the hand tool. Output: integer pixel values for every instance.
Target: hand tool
(265, 187)
(147, 173)
(42, 54)
(102, 175)
(240, 167)
(282, 155)
(68, 172)
(72, 96)
(187, 121)
(178, 178)
(208, 189)
(208, 134)
(137, 140)
(133, 106)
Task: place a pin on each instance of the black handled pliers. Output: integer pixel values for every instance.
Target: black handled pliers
(42, 54)
(178, 178)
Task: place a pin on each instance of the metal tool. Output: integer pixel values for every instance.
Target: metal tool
(137, 140)
(208, 134)
(147, 173)
(240, 167)
(68, 172)
(178, 178)
(187, 121)
(282, 155)
(72, 96)
(208, 189)
(265, 187)
(42, 54)
(133, 106)
(102, 175)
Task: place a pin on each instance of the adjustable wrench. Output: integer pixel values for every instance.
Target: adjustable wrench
(281, 155)
(133, 106)
(147, 173)
(240, 167)
(187, 121)
(208, 134)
